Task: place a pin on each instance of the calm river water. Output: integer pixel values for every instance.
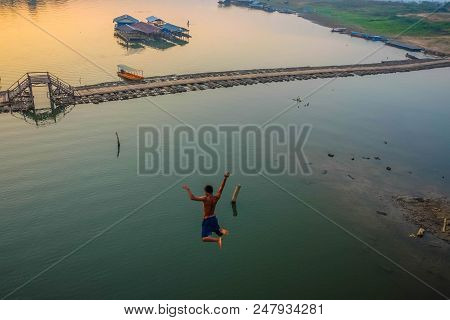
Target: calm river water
(62, 184)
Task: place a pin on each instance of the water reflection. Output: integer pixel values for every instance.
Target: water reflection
(234, 207)
(138, 46)
(42, 117)
(133, 47)
(118, 144)
(32, 5)
(159, 44)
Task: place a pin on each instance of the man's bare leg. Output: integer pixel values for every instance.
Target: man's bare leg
(212, 239)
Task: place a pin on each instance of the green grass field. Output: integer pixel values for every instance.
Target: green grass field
(379, 17)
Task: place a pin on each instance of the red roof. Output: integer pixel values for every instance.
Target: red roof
(145, 28)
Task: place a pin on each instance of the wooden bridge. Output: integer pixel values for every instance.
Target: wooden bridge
(20, 95)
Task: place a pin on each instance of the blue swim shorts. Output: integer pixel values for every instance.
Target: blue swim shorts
(210, 225)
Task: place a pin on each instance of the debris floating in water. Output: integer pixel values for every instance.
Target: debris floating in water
(331, 155)
(388, 168)
(420, 232)
(381, 213)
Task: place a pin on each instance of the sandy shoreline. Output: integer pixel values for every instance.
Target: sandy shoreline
(427, 213)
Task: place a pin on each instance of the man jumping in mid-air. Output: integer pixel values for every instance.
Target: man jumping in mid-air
(210, 223)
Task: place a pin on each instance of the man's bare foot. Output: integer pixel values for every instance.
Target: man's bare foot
(224, 231)
(219, 242)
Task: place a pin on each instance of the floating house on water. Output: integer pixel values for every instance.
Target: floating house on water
(392, 43)
(377, 38)
(173, 30)
(405, 46)
(340, 30)
(138, 31)
(168, 29)
(366, 36)
(125, 20)
(243, 2)
(131, 29)
(127, 33)
(357, 34)
(287, 11)
(155, 21)
(146, 29)
(256, 5)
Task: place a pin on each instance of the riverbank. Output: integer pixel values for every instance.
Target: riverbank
(436, 45)
(429, 213)
(412, 21)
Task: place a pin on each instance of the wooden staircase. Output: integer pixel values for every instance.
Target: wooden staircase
(20, 95)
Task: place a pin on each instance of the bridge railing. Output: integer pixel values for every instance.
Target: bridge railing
(18, 87)
(35, 78)
(60, 83)
(21, 79)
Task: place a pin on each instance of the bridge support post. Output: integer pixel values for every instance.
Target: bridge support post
(50, 92)
(9, 101)
(30, 87)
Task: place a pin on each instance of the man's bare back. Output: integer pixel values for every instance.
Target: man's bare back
(209, 200)
(209, 205)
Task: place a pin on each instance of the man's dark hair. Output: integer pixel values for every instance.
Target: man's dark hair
(209, 188)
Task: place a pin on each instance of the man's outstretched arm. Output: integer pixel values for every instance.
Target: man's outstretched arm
(191, 195)
(222, 185)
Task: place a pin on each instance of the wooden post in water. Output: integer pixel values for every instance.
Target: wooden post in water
(118, 144)
(235, 193)
(118, 140)
(234, 207)
(444, 227)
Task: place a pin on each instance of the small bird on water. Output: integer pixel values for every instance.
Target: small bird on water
(298, 100)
